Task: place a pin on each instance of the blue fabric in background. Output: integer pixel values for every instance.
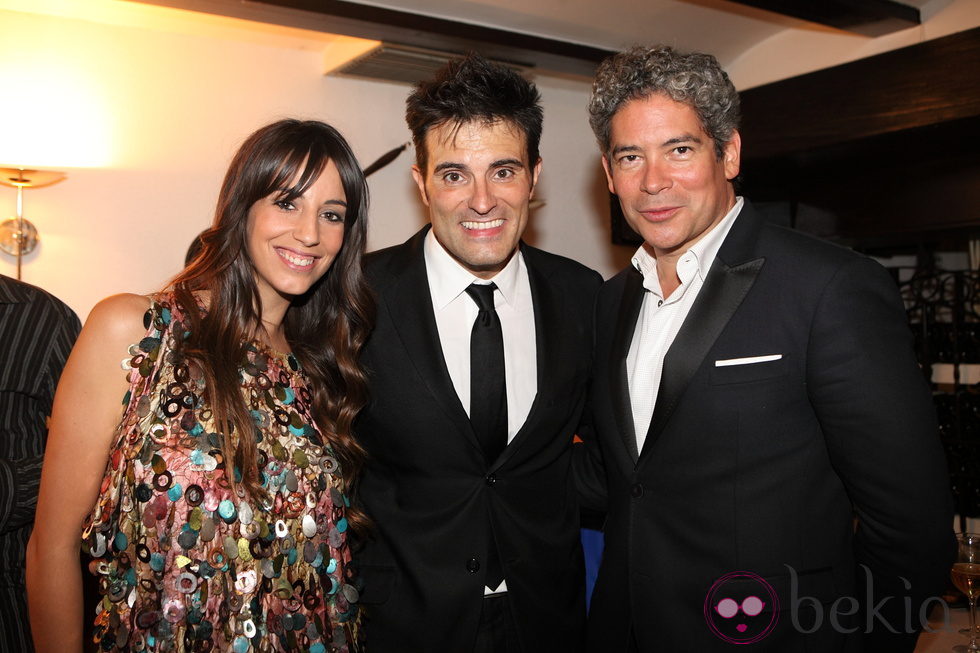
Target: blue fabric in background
(592, 544)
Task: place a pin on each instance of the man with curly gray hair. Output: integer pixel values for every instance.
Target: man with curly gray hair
(753, 390)
(694, 79)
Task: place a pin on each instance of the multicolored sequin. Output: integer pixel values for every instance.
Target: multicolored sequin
(185, 563)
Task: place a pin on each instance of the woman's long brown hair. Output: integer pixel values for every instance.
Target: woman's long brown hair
(326, 327)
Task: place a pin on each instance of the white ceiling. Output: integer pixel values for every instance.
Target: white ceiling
(756, 46)
(724, 29)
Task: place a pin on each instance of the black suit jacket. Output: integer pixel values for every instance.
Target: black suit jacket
(762, 467)
(429, 490)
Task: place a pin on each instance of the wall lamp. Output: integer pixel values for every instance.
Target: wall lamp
(17, 235)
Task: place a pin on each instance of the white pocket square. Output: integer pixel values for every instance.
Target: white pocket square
(748, 361)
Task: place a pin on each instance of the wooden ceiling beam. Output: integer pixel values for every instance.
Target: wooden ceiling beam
(868, 17)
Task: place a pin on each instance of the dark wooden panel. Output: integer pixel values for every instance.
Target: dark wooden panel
(925, 84)
(890, 190)
(870, 17)
(885, 146)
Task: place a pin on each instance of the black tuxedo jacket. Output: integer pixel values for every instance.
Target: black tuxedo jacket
(432, 495)
(761, 467)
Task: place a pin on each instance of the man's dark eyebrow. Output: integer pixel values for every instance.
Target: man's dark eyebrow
(624, 148)
(507, 162)
(685, 138)
(449, 165)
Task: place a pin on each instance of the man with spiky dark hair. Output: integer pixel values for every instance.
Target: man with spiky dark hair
(478, 367)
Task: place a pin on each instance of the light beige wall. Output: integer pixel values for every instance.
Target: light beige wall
(177, 105)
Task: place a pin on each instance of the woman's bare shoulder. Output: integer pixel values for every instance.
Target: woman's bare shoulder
(119, 318)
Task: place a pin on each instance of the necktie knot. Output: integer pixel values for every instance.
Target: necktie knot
(482, 294)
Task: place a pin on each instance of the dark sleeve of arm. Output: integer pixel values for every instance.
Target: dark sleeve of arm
(877, 415)
(587, 467)
(19, 480)
(589, 472)
(20, 477)
(64, 334)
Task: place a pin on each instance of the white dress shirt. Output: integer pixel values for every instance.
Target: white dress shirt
(660, 319)
(456, 311)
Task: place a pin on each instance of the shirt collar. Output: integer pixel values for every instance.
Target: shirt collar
(8, 291)
(704, 251)
(448, 279)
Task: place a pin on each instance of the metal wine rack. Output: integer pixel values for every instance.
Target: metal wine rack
(944, 312)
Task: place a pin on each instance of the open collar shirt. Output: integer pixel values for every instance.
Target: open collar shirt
(661, 317)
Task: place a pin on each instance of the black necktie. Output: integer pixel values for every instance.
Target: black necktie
(488, 397)
(488, 389)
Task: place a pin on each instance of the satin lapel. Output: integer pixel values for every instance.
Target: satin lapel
(547, 337)
(629, 312)
(410, 306)
(722, 293)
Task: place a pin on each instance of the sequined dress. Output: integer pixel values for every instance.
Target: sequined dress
(186, 564)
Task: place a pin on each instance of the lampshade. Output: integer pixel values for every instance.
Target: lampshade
(20, 177)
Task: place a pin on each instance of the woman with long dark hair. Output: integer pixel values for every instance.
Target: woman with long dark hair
(215, 501)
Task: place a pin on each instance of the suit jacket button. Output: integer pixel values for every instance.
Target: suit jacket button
(472, 565)
(491, 479)
(636, 491)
